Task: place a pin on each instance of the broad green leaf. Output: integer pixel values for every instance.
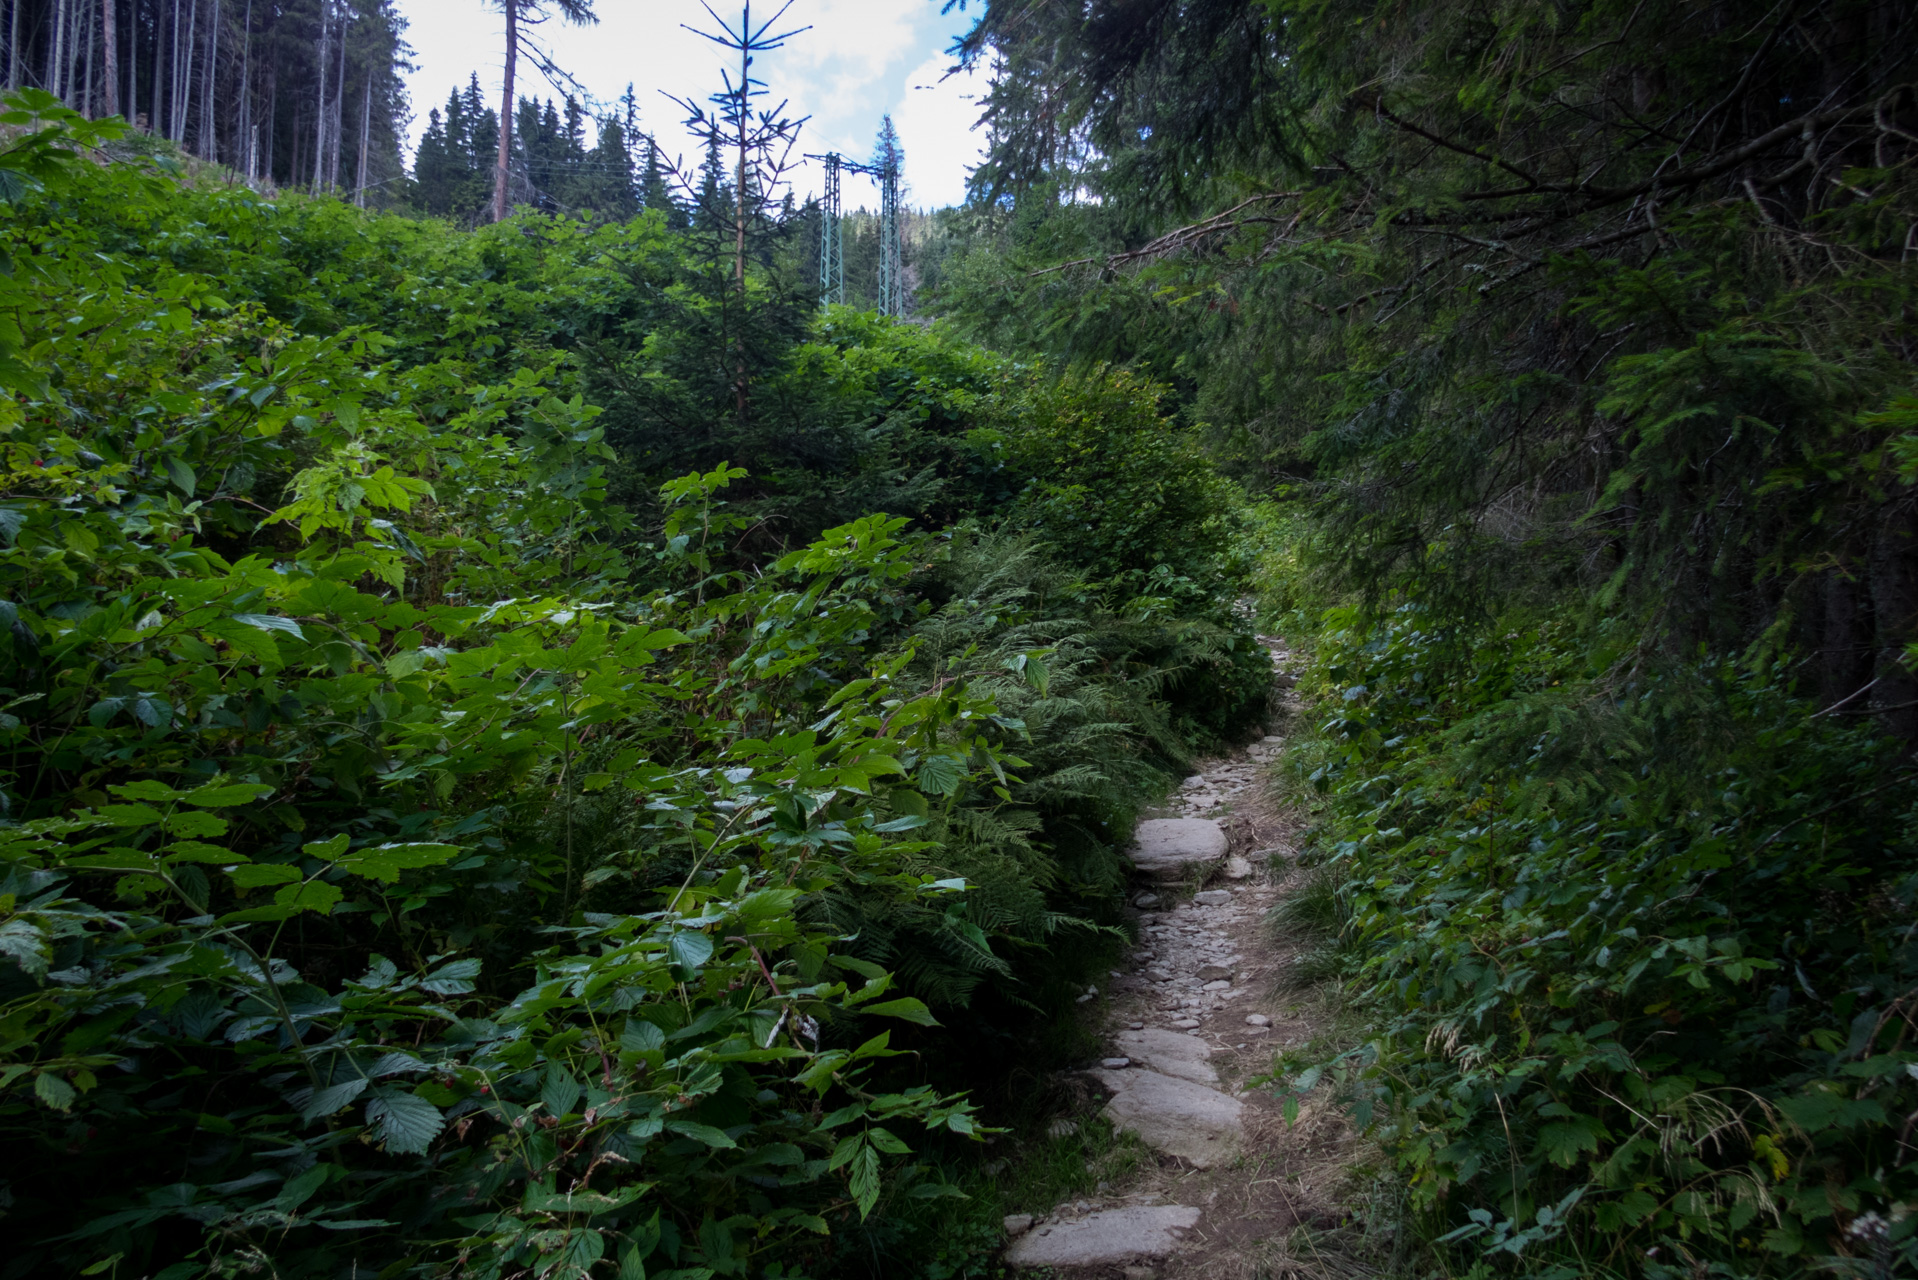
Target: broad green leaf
(257, 875)
(909, 1008)
(385, 862)
(231, 793)
(405, 1122)
(689, 949)
(54, 1091)
(268, 622)
(941, 775)
(700, 1133)
(315, 895)
(560, 1090)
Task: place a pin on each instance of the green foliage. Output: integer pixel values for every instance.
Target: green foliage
(1636, 945)
(404, 855)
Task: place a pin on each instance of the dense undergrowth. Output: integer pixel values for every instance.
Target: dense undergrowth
(1637, 946)
(1576, 341)
(456, 823)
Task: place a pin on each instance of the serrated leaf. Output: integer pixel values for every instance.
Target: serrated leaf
(560, 1091)
(53, 1091)
(454, 979)
(199, 851)
(267, 622)
(145, 789)
(328, 1100)
(130, 815)
(940, 775)
(865, 1180)
(231, 793)
(385, 862)
(329, 849)
(405, 1122)
(641, 1036)
(315, 895)
(191, 822)
(24, 944)
(689, 949)
(257, 875)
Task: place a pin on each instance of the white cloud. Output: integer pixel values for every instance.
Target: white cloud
(935, 123)
(859, 61)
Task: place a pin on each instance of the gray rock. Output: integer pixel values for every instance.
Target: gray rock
(1139, 1273)
(1257, 1020)
(1168, 1053)
(1174, 1116)
(1185, 1023)
(1115, 1064)
(1194, 782)
(1108, 1238)
(1146, 900)
(1237, 868)
(1062, 1127)
(1166, 847)
(1212, 972)
(1213, 897)
(1017, 1224)
(1220, 985)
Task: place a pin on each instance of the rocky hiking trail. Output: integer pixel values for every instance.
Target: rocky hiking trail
(1205, 1003)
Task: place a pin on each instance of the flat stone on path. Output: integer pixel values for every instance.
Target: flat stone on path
(1168, 1053)
(1167, 846)
(1110, 1238)
(1178, 1117)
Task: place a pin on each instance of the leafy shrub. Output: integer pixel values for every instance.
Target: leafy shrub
(403, 860)
(1638, 945)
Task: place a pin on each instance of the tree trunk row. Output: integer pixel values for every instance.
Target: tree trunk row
(88, 52)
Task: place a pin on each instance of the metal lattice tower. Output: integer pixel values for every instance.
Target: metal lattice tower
(892, 258)
(832, 240)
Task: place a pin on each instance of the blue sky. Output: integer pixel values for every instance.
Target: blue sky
(862, 59)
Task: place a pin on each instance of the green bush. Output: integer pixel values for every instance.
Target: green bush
(414, 858)
(1638, 946)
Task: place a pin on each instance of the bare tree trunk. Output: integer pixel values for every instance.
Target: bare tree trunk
(173, 73)
(56, 54)
(209, 134)
(159, 49)
(272, 113)
(335, 127)
(70, 71)
(319, 126)
(249, 137)
(506, 111)
(186, 72)
(366, 126)
(110, 68)
(92, 30)
(182, 72)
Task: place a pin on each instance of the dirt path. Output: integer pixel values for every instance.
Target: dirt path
(1208, 1000)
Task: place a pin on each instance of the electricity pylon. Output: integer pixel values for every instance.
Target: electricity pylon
(888, 160)
(832, 240)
